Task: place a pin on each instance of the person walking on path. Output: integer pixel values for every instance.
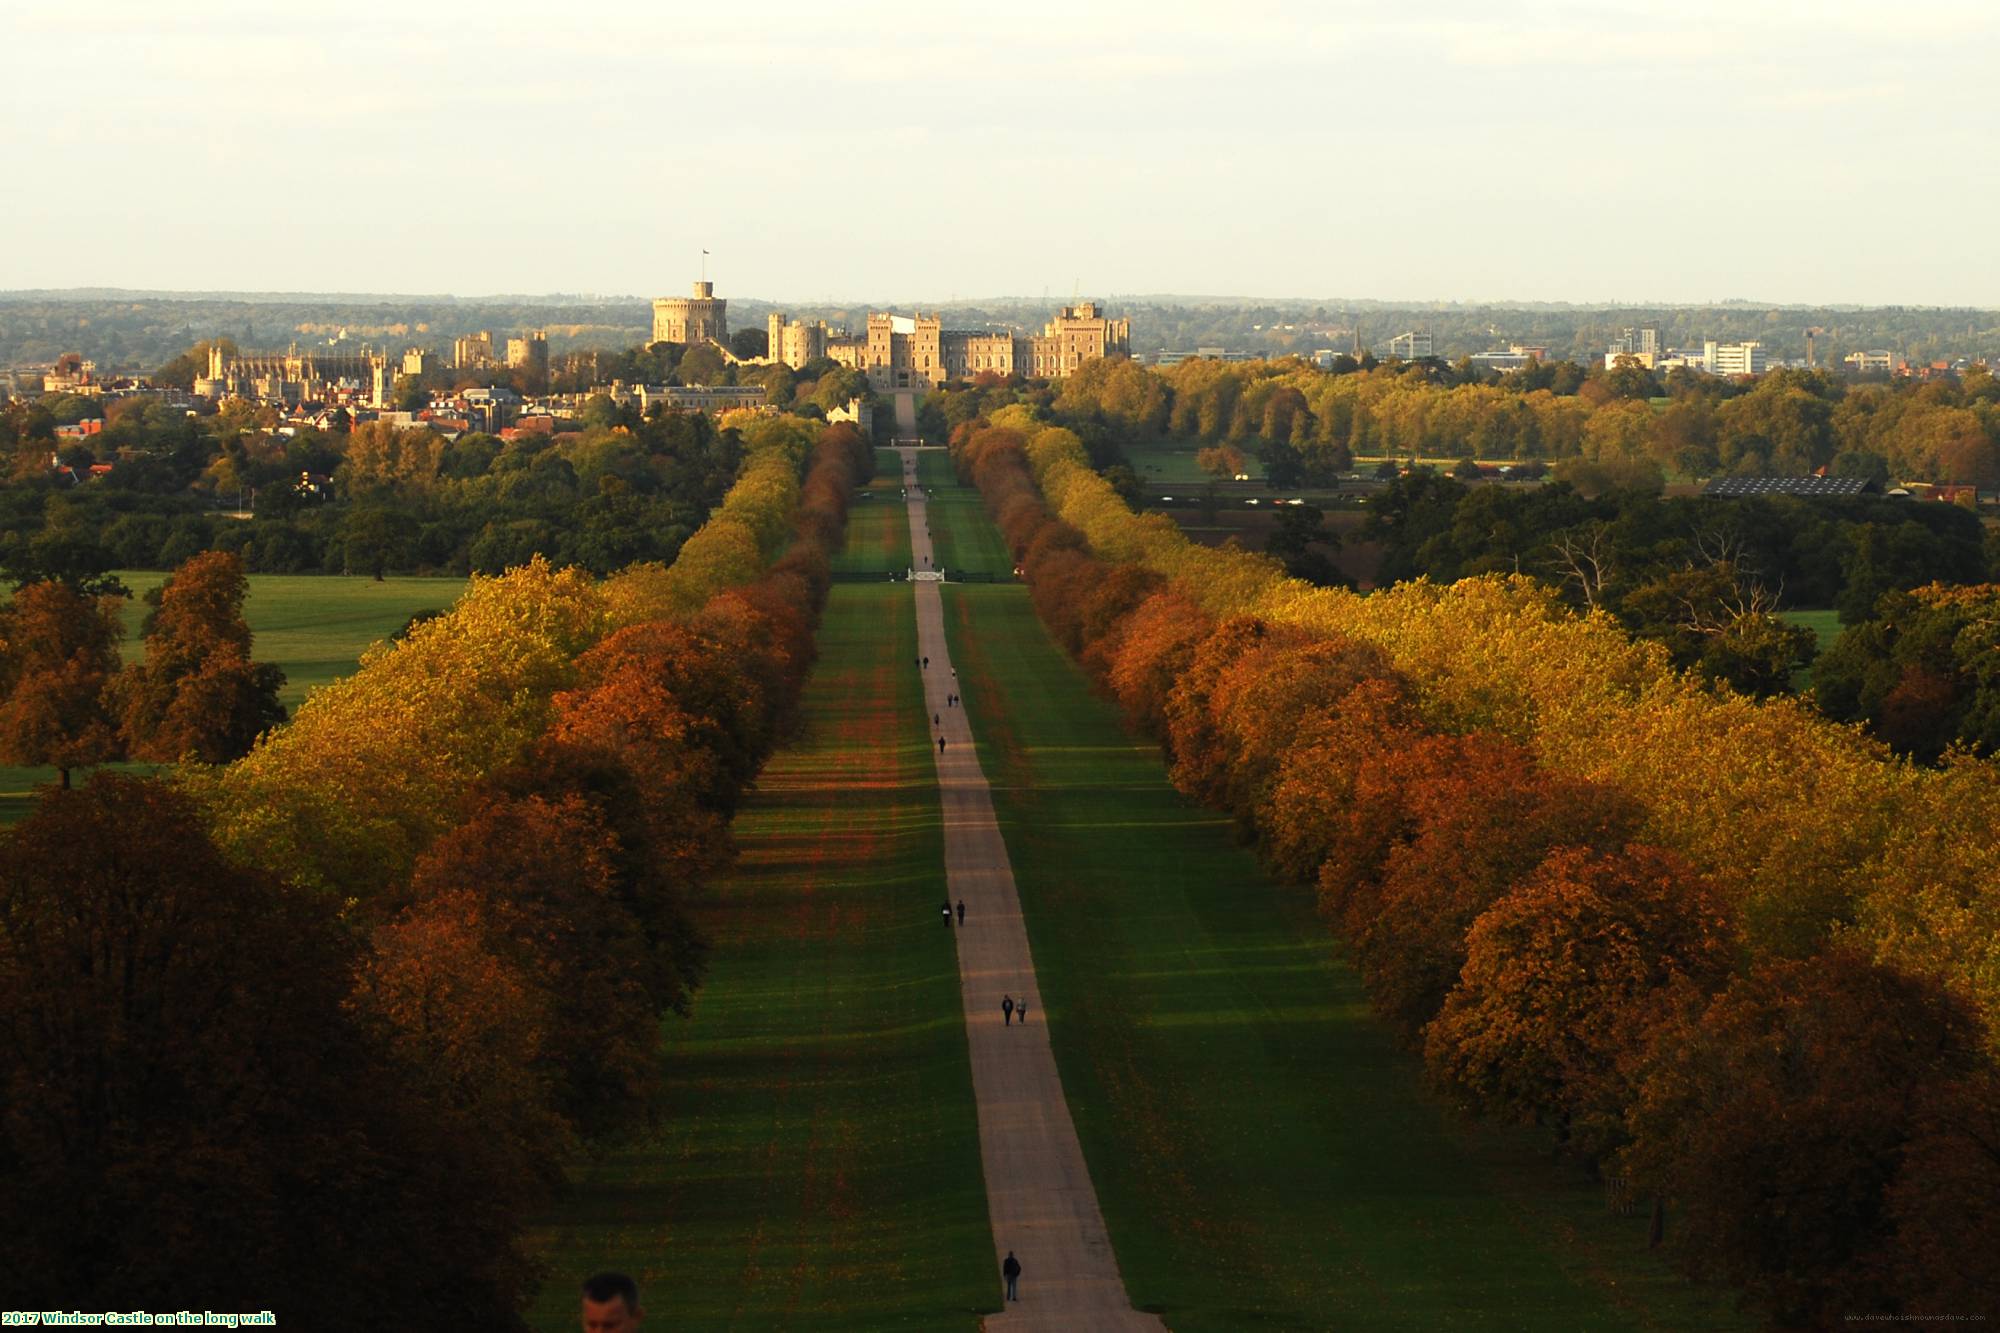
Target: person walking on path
(1007, 1010)
(961, 911)
(940, 745)
(1021, 1010)
(947, 913)
(927, 664)
(1011, 1270)
(936, 721)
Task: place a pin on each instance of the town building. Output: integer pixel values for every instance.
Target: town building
(72, 374)
(1880, 362)
(1412, 346)
(419, 361)
(1744, 358)
(698, 398)
(293, 376)
(1642, 345)
(1515, 357)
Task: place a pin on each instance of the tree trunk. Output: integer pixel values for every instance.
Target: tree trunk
(1657, 1232)
(65, 778)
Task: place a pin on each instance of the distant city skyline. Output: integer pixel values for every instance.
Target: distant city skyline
(1601, 154)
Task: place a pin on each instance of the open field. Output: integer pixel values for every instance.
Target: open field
(1264, 1154)
(817, 1162)
(1171, 462)
(1825, 625)
(878, 529)
(966, 542)
(315, 626)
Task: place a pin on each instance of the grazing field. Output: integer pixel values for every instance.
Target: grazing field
(315, 626)
(964, 540)
(1264, 1154)
(817, 1161)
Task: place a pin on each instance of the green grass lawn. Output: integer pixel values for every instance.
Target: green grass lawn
(965, 540)
(1264, 1154)
(817, 1165)
(1171, 462)
(315, 626)
(878, 523)
(1825, 625)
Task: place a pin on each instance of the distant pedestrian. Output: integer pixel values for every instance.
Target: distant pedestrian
(936, 721)
(927, 664)
(1021, 1010)
(1011, 1270)
(946, 909)
(940, 745)
(1007, 1010)
(961, 911)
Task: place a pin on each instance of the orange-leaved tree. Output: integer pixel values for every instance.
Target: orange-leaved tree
(1563, 973)
(540, 876)
(1776, 1120)
(198, 695)
(58, 656)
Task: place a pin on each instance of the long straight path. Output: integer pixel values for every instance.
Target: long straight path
(1038, 1191)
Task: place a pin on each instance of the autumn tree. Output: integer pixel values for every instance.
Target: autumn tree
(1776, 1121)
(468, 1025)
(1157, 643)
(1313, 787)
(1558, 977)
(1480, 829)
(58, 656)
(173, 1028)
(1222, 462)
(198, 695)
(1945, 1204)
(538, 876)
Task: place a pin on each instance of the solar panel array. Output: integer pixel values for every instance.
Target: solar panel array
(1786, 486)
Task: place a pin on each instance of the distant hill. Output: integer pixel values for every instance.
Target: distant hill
(140, 330)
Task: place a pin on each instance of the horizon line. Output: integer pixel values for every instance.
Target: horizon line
(494, 298)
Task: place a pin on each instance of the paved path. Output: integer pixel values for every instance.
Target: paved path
(1038, 1192)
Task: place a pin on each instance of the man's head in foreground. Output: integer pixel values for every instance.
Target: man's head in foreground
(611, 1304)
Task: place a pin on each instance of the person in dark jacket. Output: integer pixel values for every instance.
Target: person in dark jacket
(1007, 1009)
(1012, 1271)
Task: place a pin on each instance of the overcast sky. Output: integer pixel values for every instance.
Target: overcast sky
(1676, 151)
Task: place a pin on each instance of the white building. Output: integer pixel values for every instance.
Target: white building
(1412, 346)
(1744, 358)
(1881, 362)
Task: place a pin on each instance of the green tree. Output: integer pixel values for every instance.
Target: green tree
(372, 538)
